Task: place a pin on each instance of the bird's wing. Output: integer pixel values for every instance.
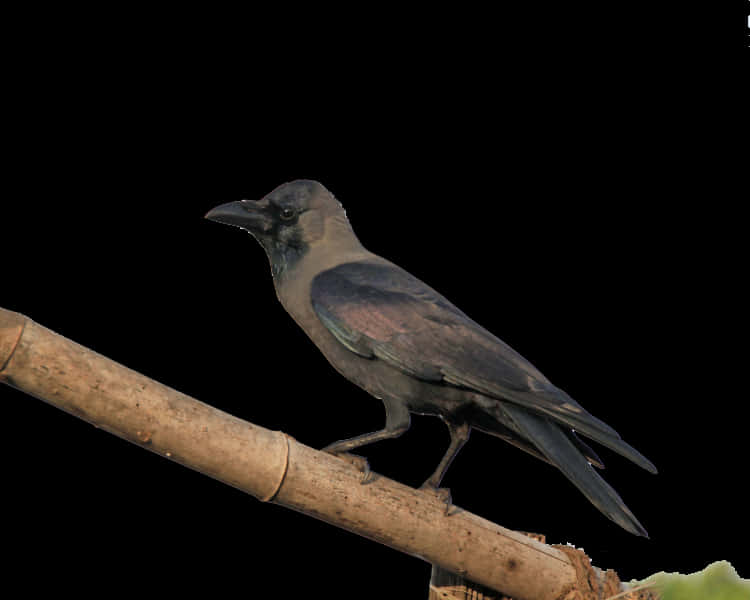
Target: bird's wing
(378, 310)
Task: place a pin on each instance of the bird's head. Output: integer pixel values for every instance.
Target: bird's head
(289, 221)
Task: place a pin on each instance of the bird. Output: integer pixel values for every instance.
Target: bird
(391, 334)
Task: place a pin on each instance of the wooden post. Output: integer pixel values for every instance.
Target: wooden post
(445, 585)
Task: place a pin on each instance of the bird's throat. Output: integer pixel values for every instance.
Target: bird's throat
(283, 258)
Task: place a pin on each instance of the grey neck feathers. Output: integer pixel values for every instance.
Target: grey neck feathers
(338, 239)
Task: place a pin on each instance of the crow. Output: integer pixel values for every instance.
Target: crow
(404, 343)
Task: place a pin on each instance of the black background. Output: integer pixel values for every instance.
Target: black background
(567, 179)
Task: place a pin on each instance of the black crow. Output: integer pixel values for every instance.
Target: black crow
(396, 337)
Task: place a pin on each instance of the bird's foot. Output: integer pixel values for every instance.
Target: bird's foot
(442, 494)
(358, 461)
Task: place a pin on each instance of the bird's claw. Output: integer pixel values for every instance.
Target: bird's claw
(358, 461)
(442, 494)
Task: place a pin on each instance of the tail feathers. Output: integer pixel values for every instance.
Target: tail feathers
(558, 448)
(593, 428)
(514, 440)
(587, 451)
(623, 449)
(490, 425)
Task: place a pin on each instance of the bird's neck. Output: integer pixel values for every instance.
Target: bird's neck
(293, 272)
(332, 248)
(339, 237)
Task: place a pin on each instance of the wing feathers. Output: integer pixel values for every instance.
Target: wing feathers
(378, 310)
(349, 338)
(408, 363)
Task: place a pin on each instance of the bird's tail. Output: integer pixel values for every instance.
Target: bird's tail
(558, 449)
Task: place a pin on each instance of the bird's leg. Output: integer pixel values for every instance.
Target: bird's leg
(459, 436)
(397, 421)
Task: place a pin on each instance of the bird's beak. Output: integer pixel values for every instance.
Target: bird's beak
(246, 214)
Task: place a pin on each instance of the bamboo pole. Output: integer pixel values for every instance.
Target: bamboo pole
(274, 467)
(445, 585)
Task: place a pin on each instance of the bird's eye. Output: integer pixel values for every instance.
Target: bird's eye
(286, 213)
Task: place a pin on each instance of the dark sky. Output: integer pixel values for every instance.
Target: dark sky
(566, 192)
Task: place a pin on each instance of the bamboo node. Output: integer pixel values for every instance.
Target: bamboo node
(284, 469)
(12, 326)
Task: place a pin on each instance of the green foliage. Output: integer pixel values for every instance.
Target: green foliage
(718, 581)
